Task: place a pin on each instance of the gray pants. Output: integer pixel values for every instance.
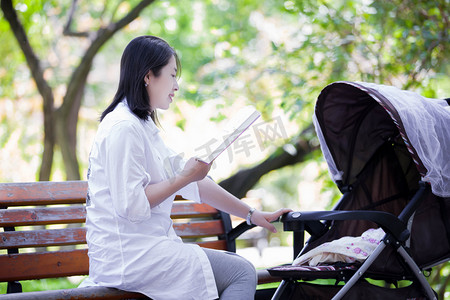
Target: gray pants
(235, 276)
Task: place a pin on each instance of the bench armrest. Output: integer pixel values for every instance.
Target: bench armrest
(234, 233)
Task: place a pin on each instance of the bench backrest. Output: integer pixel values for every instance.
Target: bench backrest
(44, 235)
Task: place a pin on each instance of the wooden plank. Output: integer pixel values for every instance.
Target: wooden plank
(77, 214)
(218, 245)
(69, 236)
(180, 210)
(42, 193)
(85, 293)
(27, 266)
(188, 209)
(64, 263)
(42, 238)
(199, 229)
(42, 216)
(75, 236)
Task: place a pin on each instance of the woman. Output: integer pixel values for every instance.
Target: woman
(132, 183)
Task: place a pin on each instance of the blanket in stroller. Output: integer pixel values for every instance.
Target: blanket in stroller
(347, 249)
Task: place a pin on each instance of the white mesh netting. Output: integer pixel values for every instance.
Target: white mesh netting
(427, 125)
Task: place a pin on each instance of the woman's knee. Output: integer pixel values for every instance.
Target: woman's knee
(231, 269)
(248, 271)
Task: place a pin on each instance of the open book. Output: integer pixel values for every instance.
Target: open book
(236, 126)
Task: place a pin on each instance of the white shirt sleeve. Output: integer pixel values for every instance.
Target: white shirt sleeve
(190, 192)
(124, 167)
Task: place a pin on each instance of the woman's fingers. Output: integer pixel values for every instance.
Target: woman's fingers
(279, 213)
(263, 219)
(195, 169)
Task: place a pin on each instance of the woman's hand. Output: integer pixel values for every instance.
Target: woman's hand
(263, 219)
(216, 196)
(195, 169)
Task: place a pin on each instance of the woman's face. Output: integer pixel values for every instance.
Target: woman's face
(161, 89)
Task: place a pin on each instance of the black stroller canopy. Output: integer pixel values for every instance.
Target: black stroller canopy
(353, 119)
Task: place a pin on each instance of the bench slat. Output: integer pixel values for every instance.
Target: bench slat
(27, 266)
(199, 229)
(43, 238)
(42, 216)
(47, 193)
(218, 244)
(56, 264)
(74, 236)
(77, 214)
(40, 265)
(185, 209)
(42, 193)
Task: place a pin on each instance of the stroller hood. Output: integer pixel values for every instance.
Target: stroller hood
(351, 127)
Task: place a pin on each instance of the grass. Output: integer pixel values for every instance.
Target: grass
(267, 285)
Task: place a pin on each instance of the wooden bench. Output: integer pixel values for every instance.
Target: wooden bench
(38, 218)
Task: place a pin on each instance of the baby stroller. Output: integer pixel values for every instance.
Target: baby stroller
(388, 151)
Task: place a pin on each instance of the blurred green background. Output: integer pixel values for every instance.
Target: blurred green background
(274, 55)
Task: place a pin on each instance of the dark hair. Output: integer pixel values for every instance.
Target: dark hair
(142, 54)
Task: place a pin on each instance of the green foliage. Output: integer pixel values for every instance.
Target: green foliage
(440, 280)
(12, 59)
(283, 183)
(294, 49)
(272, 54)
(44, 284)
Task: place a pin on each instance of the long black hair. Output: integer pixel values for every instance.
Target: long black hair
(142, 54)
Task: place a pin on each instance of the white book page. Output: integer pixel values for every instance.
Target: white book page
(239, 123)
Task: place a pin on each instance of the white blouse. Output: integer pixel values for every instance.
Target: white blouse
(131, 246)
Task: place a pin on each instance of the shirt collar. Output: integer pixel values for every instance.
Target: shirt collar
(149, 124)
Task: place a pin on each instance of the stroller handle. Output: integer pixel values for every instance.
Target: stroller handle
(389, 222)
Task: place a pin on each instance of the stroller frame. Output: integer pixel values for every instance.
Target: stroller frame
(374, 161)
(397, 235)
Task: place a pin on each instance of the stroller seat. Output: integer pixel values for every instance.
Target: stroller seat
(337, 271)
(387, 150)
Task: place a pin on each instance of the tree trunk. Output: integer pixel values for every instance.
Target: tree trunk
(68, 112)
(66, 140)
(67, 119)
(60, 126)
(42, 85)
(49, 141)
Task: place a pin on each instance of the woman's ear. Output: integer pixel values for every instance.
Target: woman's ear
(148, 77)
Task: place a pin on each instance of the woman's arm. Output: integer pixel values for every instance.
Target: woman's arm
(194, 170)
(218, 197)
